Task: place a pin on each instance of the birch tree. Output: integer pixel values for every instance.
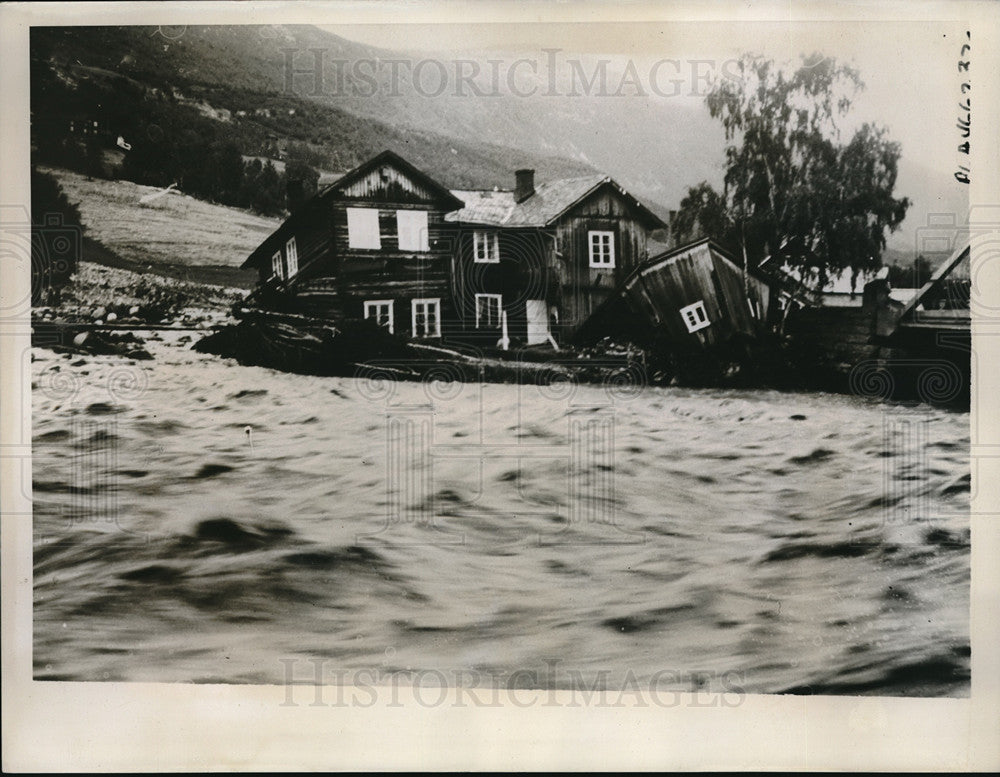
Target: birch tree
(793, 189)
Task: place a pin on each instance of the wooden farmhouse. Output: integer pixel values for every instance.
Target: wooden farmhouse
(496, 268)
(374, 244)
(533, 264)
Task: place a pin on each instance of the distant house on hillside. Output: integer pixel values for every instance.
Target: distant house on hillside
(386, 241)
(370, 245)
(86, 126)
(543, 259)
(274, 147)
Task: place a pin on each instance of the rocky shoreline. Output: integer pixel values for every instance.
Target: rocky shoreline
(99, 299)
(109, 295)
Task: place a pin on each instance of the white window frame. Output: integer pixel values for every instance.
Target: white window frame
(436, 302)
(374, 306)
(695, 316)
(601, 258)
(359, 228)
(485, 247)
(292, 257)
(480, 298)
(277, 266)
(412, 224)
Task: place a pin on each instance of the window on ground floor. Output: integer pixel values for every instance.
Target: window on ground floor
(381, 310)
(488, 307)
(426, 315)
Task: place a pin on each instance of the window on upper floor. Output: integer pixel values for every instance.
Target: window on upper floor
(602, 248)
(411, 226)
(291, 257)
(277, 267)
(363, 228)
(486, 247)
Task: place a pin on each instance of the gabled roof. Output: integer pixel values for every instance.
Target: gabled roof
(390, 157)
(670, 254)
(483, 207)
(331, 190)
(673, 254)
(550, 201)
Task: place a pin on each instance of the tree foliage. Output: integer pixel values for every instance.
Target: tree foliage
(793, 190)
(703, 213)
(56, 237)
(301, 173)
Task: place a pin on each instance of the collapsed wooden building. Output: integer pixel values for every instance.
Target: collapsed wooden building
(688, 299)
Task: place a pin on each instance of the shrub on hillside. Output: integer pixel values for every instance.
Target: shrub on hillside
(56, 238)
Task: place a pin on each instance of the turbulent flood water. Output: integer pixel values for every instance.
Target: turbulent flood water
(517, 535)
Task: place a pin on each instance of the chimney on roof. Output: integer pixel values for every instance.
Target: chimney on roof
(294, 193)
(524, 184)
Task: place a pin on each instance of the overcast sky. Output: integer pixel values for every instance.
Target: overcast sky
(910, 70)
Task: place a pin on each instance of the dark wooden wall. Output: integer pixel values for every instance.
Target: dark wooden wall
(701, 274)
(836, 338)
(345, 277)
(522, 273)
(335, 279)
(584, 288)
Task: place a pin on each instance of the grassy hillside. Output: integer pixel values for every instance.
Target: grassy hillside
(656, 148)
(173, 235)
(153, 90)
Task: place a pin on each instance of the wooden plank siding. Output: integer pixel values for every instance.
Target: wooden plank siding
(522, 274)
(335, 279)
(838, 337)
(387, 184)
(584, 288)
(312, 240)
(657, 293)
(552, 263)
(347, 277)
